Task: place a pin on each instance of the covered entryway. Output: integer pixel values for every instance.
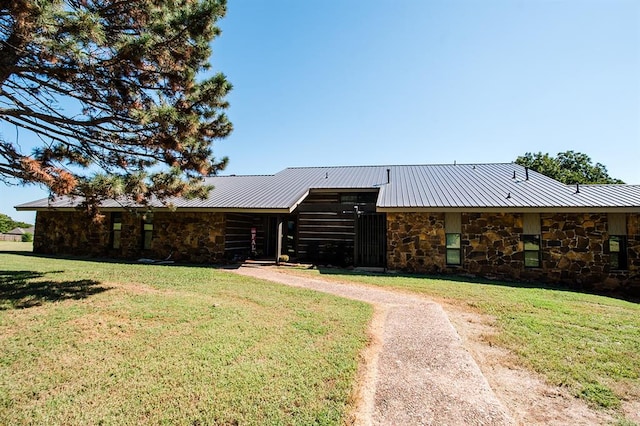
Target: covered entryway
(329, 227)
(342, 228)
(255, 235)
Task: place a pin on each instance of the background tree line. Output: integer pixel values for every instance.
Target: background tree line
(567, 167)
(7, 224)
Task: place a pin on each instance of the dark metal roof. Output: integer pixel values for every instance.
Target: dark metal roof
(494, 185)
(410, 187)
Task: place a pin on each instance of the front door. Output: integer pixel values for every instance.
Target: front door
(370, 240)
(289, 233)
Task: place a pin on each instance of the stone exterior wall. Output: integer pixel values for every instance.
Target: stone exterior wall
(575, 253)
(130, 237)
(189, 237)
(574, 248)
(492, 244)
(72, 233)
(416, 242)
(192, 237)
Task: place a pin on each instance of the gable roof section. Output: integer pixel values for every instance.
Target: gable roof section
(410, 187)
(21, 231)
(502, 186)
(284, 190)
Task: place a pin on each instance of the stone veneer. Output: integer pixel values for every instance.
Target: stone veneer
(190, 237)
(69, 233)
(574, 249)
(491, 244)
(415, 242)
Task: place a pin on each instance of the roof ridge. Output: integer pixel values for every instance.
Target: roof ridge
(604, 184)
(237, 175)
(400, 165)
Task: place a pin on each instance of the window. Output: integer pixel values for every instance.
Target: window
(531, 251)
(618, 251)
(453, 249)
(617, 228)
(147, 231)
(116, 229)
(531, 238)
(453, 236)
(355, 198)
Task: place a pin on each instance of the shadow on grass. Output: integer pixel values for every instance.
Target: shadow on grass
(26, 289)
(113, 260)
(634, 298)
(630, 295)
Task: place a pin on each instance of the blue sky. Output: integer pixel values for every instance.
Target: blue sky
(418, 82)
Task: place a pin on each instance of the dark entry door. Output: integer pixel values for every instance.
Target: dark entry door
(371, 242)
(289, 232)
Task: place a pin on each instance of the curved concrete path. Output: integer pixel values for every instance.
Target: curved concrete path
(418, 372)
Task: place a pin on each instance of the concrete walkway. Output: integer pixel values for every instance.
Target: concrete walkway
(418, 372)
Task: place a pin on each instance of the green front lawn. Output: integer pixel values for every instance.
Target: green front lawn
(15, 246)
(86, 342)
(588, 343)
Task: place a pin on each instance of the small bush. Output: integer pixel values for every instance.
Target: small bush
(27, 237)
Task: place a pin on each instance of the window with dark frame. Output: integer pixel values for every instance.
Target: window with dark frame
(453, 248)
(618, 251)
(531, 251)
(358, 198)
(147, 231)
(116, 230)
(531, 240)
(453, 238)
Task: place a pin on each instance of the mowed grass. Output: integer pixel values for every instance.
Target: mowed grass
(86, 342)
(15, 246)
(588, 343)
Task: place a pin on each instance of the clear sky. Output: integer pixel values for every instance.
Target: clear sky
(346, 82)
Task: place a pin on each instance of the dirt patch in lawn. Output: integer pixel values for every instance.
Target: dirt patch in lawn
(530, 399)
(367, 369)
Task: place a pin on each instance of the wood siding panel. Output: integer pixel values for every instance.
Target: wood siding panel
(238, 232)
(325, 229)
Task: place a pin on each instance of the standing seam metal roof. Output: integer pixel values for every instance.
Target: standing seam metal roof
(411, 187)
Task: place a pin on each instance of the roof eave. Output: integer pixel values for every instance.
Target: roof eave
(563, 209)
(278, 210)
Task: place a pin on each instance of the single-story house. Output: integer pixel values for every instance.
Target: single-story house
(21, 231)
(16, 234)
(491, 220)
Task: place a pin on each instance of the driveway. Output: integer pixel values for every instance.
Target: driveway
(416, 370)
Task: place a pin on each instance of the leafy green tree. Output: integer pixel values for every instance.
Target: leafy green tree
(112, 95)
(7, 224)
(567, 167)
